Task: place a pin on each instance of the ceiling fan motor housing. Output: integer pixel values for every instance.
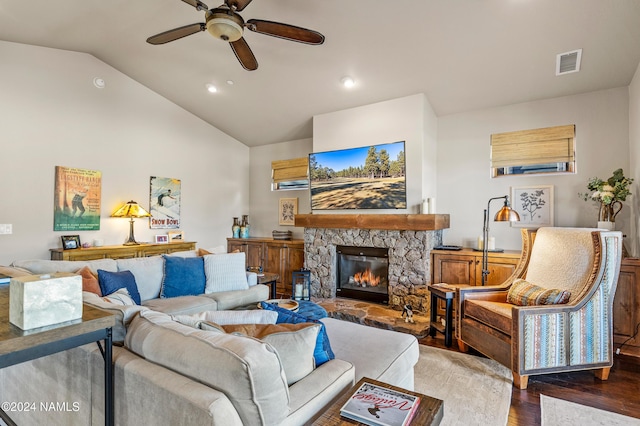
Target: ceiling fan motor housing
(224, 24)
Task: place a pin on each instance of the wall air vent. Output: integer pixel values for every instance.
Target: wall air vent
(568, 62)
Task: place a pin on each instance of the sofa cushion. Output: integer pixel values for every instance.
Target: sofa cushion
(112, 281)
(14, 271)
(524, 293)
(148, 272)
(183, 276)
(225, 272)
(323, 351)
(221, 318)
(89, 281)
(295, 343)
(120, 297)
(183, 305)
(246, 370)
(123, 313)
(498, 314)
(39, 266)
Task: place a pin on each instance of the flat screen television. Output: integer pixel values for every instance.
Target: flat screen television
(369, 177)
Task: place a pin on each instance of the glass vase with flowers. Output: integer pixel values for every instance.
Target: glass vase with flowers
(609, 194)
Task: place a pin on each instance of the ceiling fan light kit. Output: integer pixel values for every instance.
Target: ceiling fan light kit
(224, 23)
(225, 26)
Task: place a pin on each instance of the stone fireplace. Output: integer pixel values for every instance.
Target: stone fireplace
(408, 239)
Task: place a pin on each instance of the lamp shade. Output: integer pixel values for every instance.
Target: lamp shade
(507, 214)
(131, 209)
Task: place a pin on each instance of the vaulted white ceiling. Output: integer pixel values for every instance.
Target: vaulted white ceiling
(463, 54)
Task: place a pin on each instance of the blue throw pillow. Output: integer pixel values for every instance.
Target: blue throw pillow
(110, 282)
(322, 352)
(183, 276)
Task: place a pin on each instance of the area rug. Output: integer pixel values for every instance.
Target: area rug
(557, 412)
(475, 390)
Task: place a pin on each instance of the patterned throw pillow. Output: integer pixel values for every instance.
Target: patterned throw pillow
(523, 293)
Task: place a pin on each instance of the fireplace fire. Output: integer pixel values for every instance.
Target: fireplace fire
(363, 273)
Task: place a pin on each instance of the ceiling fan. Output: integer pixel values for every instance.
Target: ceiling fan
(225, 24)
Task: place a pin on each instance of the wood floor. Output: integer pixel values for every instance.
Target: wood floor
(619, 394)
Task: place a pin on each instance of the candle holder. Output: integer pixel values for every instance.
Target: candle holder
(301, 284)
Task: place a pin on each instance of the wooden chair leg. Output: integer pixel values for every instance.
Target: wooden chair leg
(462, 347)
(602, 373)
(521, 382)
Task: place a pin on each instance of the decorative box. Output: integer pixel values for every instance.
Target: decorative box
(41, 300)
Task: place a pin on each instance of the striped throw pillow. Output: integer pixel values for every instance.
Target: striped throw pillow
(523, 293)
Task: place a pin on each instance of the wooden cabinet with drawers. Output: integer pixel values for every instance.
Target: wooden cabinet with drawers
(277, 256)
(120, 252)
(465, 266)
(626, 308)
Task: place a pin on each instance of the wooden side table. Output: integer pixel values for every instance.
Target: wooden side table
(448, 294)
(429, 411)
(270, 279)
(18, 345)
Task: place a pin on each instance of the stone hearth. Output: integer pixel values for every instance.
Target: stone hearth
(375, 315)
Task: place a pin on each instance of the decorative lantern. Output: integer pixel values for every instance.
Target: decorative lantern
(301, 280)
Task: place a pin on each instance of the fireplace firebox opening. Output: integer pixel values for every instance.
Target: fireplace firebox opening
(363, 273)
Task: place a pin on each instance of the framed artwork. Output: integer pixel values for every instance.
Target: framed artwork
(534, 204)
(176, 236)
(162, 239)
(164, 203)
(76, 199)
(287, 210)
(70, 242)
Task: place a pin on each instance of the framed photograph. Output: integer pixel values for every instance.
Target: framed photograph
(164, 203)
(534, 204)
(175, 236)
(70, 242)
(287, 210)
(162, 239)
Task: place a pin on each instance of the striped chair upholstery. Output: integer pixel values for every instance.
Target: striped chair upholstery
(550, 338)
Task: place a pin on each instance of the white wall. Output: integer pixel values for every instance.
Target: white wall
(464, 182)
(634, 155)
(264, 202)
(52, 115)
(410, 119)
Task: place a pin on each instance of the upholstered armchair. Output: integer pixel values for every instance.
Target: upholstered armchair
(549, 338)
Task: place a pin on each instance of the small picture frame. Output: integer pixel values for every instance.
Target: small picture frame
(287, 210)
(162, 239)
(534, 204)
(70, 242)
(175, 236)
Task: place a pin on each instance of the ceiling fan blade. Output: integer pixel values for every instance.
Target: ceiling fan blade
(244, 54)
(176, 33)
(286, 31)
(197, 4)
(238, 5)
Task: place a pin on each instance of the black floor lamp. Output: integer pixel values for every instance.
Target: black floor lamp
(505, 214)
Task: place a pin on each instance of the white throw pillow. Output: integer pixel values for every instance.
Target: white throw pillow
(225, 272)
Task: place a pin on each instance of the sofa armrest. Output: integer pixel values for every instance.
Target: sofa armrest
(123, 313)
(238, 298)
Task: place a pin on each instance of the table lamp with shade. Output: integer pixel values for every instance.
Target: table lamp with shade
(131, 210)
(505, 214)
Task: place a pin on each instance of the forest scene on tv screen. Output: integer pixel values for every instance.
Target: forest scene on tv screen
(370, 177)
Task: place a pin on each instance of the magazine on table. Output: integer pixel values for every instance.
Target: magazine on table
(380, 406)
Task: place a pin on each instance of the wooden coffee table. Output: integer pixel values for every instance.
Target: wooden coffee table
(429, 412)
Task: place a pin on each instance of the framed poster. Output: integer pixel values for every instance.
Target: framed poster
(287, 210)
(534, 204)
(76, 199)
(164, 203)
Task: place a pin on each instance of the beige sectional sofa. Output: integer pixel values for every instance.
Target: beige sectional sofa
(169, 372)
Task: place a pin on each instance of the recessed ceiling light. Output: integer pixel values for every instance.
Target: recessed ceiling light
(348, 82)
(230, 82)
(211, 88)
(99, 82)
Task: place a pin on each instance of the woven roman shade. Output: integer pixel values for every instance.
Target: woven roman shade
(529, 147)
(286, 174)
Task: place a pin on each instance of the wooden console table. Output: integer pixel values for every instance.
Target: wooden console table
(17, 346)
(120, 252)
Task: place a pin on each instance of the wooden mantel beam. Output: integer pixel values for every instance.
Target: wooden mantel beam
(395, 222)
